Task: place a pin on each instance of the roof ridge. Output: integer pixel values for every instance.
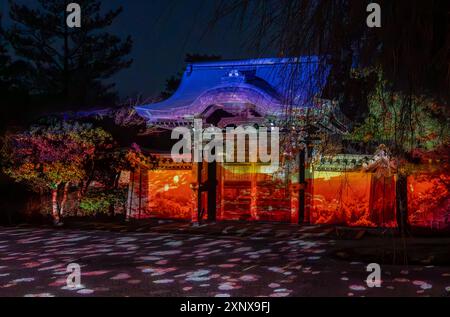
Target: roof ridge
(267, 61)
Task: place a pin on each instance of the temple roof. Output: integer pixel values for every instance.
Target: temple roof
(269, 83)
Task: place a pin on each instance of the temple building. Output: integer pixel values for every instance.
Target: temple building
(306, 187)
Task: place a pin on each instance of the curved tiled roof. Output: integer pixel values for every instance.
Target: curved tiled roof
(279, 81)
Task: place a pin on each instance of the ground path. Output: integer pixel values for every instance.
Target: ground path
(171, 259)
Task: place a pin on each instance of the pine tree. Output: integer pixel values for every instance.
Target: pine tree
(14, 84)
(5, 61)
(70, 64)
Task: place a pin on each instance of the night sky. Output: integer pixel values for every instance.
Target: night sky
(163, 32)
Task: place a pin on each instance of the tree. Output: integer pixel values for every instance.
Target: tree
(51, 157)
(14, 84)
(411, 47)
(70, 64)
(105, 167)
(429, 128)
(5, 62)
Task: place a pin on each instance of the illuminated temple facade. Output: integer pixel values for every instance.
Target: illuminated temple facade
(305, 188)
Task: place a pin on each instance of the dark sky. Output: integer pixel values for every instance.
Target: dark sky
(163, 32)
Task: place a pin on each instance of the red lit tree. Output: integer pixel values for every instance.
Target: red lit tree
(50, 158)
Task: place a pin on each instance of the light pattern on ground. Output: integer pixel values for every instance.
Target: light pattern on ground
(33, 263)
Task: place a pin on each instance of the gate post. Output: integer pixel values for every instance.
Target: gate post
(196, 197)
(294, 190)
(302, 185)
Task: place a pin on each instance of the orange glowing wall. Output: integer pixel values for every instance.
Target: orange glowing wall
(353, 199)
(169, 194)
(249, 194)
(346, 198)
(429, 199)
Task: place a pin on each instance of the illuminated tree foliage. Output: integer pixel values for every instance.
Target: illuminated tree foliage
(101, 201)
(106, 167)
(49, 158)
(411, 124)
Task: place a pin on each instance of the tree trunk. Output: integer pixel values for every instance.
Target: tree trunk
(116, 181)
(64, 199)
(127, 216)
(140, 192)
(88, 182)
(402, 204)
(79, 197)
(55, 213)
(115, 185)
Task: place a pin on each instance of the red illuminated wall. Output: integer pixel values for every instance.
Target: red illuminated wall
(251, 195)
(169, 194)
(246, 193)
(429, 199)
(353, 199)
